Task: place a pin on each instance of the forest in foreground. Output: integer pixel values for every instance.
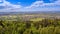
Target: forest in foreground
(16, 25)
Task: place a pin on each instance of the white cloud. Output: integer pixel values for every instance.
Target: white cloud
(36, 6)
(8, 5)
(42, 4)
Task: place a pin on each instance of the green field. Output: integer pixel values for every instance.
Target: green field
(37, 19)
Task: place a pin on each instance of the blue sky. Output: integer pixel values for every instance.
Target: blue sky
(29, 5)
(29, 2)
(22, 2)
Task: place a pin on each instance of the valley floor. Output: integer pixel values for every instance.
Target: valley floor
(30, 24)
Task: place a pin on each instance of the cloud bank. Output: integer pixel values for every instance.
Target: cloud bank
(35, 6)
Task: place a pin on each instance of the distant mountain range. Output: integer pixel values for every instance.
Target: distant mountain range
(31, 12)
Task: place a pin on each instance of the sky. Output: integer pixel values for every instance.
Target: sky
(29, 5)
